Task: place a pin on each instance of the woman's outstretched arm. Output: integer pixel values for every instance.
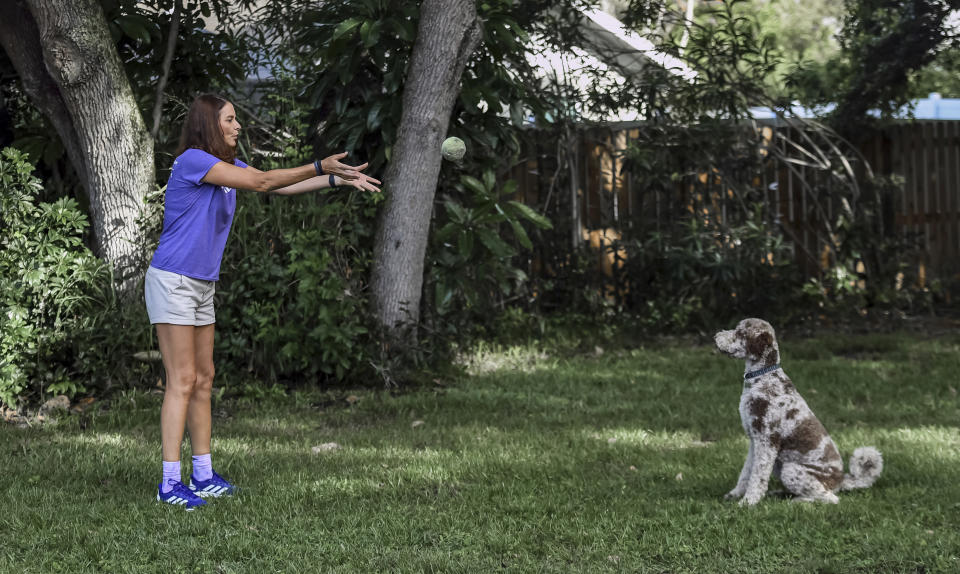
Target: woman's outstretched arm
(364, 183)
(229, 175)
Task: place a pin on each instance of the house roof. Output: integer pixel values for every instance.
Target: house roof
(933, 107)
(607, 37)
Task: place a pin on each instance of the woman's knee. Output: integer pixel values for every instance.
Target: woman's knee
(182, 383)
(204, 380)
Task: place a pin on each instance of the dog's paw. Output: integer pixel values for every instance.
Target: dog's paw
(826, 498)
(733, 495)
(750, 500)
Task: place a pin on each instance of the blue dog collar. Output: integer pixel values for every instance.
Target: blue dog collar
(757, 373)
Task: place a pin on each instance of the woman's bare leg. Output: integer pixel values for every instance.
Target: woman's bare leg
(198, 411)
(178, 349)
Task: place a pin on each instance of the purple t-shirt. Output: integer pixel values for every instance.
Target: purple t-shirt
(196, 218)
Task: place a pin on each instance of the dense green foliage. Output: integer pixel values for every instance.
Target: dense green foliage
(885, 47)
(291, 295)
(52, 288)
(697, 279)
(539, 462)
(472, 268)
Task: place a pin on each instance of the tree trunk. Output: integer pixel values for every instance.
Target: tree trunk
(448, 33)
(63, 52)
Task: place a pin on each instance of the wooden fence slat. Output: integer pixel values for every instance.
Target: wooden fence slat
(953, 160)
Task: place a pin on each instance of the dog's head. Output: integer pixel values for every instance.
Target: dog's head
(753, 339)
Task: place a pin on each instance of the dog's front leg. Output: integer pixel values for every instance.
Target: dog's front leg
(764, 455)
(741, 487)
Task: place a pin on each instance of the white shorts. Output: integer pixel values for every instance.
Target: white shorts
(177, 299)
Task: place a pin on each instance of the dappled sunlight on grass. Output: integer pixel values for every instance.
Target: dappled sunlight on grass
(647, 438)
(488, 359)
(343, 485)
(246, 446)
(273, 426)
(941, 443)
(98, 439)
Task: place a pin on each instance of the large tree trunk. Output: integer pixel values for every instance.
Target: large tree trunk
(448, 33)
(63, 52)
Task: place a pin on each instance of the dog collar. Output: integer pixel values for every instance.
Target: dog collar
(757, 373)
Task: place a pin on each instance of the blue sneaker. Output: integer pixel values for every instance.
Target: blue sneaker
(180, 495)
(214, 486)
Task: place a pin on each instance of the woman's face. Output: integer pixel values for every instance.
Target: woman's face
(229, 126)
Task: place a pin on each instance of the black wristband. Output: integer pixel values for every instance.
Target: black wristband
(316, 166)
(333, 181)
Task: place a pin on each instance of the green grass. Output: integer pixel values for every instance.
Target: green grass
(535, 463)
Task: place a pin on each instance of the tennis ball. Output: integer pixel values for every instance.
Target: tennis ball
(453, 149)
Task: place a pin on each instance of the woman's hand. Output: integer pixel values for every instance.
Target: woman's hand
(343, 171)
(363, 182)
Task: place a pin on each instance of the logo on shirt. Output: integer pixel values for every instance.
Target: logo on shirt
(225, 189)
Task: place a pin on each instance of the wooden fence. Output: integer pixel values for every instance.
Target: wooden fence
(605, 202)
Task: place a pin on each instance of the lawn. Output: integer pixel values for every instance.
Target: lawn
(532, 463)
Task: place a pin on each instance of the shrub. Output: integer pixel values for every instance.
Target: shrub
(703, 277)
(291, 294)
(473, 273)
(50, 283)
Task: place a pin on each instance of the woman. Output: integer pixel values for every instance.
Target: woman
(179, 284)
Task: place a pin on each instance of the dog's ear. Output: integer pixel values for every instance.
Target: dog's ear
(757, 346)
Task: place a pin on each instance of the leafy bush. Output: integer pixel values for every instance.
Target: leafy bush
(704, 277)
(50, 284)
(291, 295)
(473, 254)
(874, 265)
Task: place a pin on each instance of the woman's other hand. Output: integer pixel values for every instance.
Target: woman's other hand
(343, 171)
(364, 182)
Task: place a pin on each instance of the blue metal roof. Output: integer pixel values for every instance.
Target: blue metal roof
(937, 108)
(933, 107)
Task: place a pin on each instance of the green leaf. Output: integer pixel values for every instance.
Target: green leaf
(473, 184)
(370, 33)
(373, 116)
(135, 27)
(489, 180)
(443, 295)
(516, 114)
(492, 241)
(345, 27)
(465, 243)
(446, 232)
(528, 213)
(456, 211)
(346, 74)
(403, 29)
(521, 234)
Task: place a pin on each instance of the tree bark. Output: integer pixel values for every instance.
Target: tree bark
(71, 70)
(448, 32)
(21, 41)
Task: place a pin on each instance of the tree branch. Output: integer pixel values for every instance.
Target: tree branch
(167, 61)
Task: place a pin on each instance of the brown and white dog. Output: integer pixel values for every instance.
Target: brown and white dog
(786, 439)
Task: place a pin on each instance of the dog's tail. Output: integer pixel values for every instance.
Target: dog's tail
(866, 464)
